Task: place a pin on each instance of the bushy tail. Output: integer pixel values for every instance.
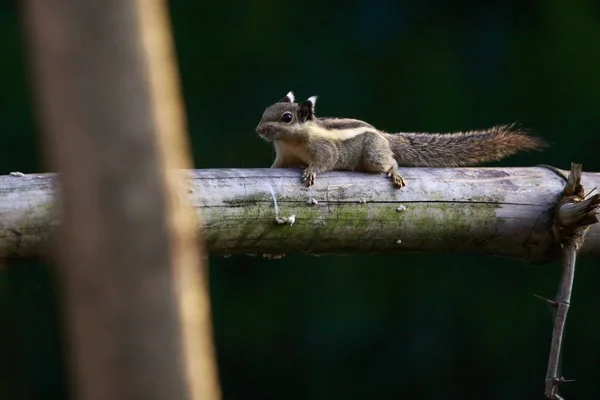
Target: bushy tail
(461, 148)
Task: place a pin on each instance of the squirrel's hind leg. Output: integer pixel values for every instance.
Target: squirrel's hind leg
(388, 166)
(378, 157)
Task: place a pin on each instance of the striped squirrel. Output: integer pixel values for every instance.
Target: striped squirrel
(324, 144)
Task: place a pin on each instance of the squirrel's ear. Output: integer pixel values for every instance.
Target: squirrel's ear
(306, 109)
(289, 98)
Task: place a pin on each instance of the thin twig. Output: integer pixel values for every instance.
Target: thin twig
(572, 218)
(562, 304)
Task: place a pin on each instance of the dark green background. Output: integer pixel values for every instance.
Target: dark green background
(353, 327)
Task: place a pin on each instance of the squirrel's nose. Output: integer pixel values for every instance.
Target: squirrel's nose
(265, 131)
(262, 129)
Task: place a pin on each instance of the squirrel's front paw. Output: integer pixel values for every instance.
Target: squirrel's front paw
(308, 177)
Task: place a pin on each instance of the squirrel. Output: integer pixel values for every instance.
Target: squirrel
(323, 144)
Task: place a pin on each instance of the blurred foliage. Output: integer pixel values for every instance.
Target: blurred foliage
(377, 326)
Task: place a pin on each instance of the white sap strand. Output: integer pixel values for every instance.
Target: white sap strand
(281, 221)
(274, 200)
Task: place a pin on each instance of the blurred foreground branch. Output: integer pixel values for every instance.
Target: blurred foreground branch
(499, 211)
(135, 303)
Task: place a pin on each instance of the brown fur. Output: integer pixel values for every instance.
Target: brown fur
(324, 144)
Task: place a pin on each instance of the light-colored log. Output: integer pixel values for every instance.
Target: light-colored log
(499, 211)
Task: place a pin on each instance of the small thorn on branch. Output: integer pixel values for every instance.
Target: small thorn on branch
(562, 380)
(547, 300)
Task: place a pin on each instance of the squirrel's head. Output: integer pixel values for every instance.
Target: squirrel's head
(285, 117)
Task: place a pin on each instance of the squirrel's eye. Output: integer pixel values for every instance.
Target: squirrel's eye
(286, 117)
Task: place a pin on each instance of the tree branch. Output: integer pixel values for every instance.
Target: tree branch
(497, 211)
(573, 217)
